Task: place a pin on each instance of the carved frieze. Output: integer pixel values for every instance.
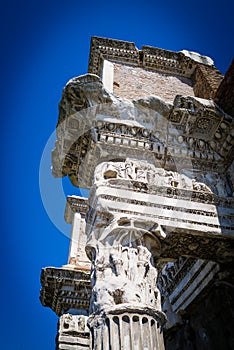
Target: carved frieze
(143, 172)
(73, 324)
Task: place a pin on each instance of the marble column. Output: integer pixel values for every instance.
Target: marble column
(125, 307)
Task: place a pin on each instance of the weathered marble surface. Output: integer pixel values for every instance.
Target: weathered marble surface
(73, 332)
(124, 280)
(161, 199)
(191, 133)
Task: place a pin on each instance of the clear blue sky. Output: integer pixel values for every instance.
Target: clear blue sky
(44, 44)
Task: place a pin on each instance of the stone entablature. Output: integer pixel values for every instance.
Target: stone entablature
(102, 127)
(75, 204)
(186, 212)
(149, 57)
(184, 281)
(194, 281)
(65, 289)
(169, 207)
(181, 282)
(199, 69)
(193, 217)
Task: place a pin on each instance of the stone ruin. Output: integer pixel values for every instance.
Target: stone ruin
(150, 133)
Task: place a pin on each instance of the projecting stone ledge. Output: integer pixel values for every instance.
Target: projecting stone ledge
(65, 289)
(133, 73)
(96, 126)
(209, 247)
(182, 63)
(192, 221)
